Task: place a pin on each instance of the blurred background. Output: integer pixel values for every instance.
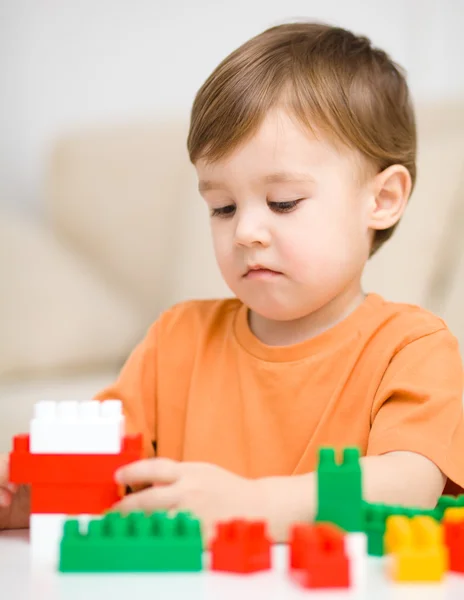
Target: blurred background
(101, 226)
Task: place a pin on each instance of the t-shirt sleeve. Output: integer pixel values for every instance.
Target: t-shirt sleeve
(419, 405)
(136, 388)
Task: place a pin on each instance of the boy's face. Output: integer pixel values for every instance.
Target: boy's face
(286, 246)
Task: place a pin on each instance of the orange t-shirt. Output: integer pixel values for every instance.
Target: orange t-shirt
(202, 387)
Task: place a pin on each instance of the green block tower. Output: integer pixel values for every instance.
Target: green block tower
(339, 490)
(132, 543)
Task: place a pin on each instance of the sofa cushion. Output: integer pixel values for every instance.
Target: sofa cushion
(56, 313)
(116, 194)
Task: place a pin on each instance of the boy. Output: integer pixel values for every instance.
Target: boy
(304, 143)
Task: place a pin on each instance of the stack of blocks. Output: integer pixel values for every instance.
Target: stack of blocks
(69, 459)
(340, 502)
(70, 456)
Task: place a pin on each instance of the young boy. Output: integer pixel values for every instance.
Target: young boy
(304, 143)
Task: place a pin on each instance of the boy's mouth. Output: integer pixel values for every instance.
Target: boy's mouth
(260, 272)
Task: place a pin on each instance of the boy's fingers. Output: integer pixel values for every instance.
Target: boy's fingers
(5, 498)
(150, 470)
(149, 500)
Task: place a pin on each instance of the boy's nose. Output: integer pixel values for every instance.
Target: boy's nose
(251, 231)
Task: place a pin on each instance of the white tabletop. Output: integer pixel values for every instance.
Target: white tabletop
(19, 578)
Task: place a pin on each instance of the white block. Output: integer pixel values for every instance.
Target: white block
(45, 536)
(70, 427)
(356, 549)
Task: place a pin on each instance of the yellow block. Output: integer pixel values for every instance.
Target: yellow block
(417, 548)
(454, 514)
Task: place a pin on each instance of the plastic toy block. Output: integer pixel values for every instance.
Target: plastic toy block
(445, 502)
(339, 489)
(417, 548)
(398, 533)
(317, 556)
(241, 547)
(67, 469)
(45, 533)
(356, 550)
(298, 545)
(453, 525)
(74, 499)
(132, 543)
(375, 517)
(77, 427)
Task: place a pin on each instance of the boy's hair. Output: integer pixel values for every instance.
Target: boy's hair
(327, 77)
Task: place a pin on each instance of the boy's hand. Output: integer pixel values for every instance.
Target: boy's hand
(209, 492)
(14, 500)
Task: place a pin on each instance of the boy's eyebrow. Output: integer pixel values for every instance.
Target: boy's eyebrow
(207, 185)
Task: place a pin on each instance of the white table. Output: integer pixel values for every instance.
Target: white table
(20, 579)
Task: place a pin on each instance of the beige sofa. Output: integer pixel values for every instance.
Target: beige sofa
(125, 235)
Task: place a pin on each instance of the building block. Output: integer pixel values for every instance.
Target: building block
(356, 550)
(453, 525)
(317, 556)
(132, 543)
(74, 499)
(70, 427)
(71, 483)
(445, 502)
(64, 469)
(375, 517)
(417, 548)
(241, 547)
(45, 533)
(339, 490)
(298, 545)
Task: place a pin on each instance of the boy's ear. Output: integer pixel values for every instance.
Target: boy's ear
(391, 188)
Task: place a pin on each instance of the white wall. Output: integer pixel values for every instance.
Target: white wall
(66, 63)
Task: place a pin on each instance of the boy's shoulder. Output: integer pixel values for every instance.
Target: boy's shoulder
(403, 322)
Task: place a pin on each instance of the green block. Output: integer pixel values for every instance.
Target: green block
(375, 517)
(445, 502)
(132, 543)
(339, 489)
(374, 522)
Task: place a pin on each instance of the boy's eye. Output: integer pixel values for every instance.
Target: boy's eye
(279, 207)
(223, 211)
(285, 206)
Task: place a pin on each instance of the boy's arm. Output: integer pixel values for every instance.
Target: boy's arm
(404, 478)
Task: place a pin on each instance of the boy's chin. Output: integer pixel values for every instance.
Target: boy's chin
(276, 311)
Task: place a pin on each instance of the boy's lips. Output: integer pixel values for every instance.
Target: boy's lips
(260, 272)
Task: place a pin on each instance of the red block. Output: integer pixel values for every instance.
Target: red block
(73, 499)
(67, 469)
(241, 547)
(317, 556)
(71, 483)
(454, 540)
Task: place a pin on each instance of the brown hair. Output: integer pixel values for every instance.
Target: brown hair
(328, 77)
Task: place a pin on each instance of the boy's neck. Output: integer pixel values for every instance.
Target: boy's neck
(286, 333)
